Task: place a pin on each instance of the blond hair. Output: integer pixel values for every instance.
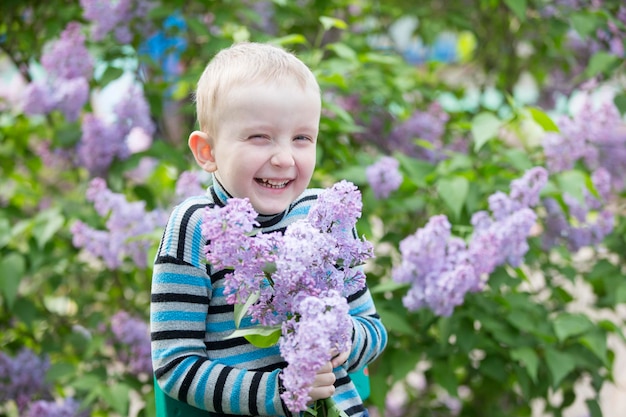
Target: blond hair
(245, 63)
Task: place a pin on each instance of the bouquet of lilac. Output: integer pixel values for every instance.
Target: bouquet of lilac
(293, 285)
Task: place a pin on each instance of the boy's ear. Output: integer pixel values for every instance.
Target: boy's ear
(201, 146)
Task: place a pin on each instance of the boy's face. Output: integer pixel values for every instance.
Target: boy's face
(265, 143)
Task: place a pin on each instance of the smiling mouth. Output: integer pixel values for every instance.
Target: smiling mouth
(272, 183)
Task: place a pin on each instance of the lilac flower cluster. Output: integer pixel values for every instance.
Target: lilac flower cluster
(590, 221)
(103, 141)
(300, 278)
(384, 176)
(116, 17)
(321, 327)
(134, 335)
(189, 185)
(126, 223)
(442, 268)
(429, 125)
(22, 377)
(594, 135)
(68, 408)
(69, 66)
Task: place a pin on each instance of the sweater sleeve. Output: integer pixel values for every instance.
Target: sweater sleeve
(369, 338)
(181, 293)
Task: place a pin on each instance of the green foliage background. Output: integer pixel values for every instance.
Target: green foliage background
(517, 341)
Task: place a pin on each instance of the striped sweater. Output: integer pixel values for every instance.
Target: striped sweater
(190, 319)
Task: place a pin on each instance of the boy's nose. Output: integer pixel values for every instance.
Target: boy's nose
(282, 158)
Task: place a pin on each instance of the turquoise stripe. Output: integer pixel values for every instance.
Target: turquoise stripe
(271, 392)
(163, 316)
(173, 278)
(178, 373)
(201, 387)
(222, 326)
(234, 396)
(345, 396)
(358, 310)
(250, 356)
(197, 243)
(164, 353)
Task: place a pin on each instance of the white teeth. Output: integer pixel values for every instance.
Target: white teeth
(274, 184)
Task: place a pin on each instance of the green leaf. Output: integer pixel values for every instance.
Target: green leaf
(596, 343)
(110, 74)
(620, 103)
(584, 23)
(594, 408)
(5, 232)
(559, 364)
(117, 396)
(289, 40)
(395, 322)
(485, 126)
(567, 325)
(453, 191)
(543, 120)
(242, 309)
(46, 224)
(529, 359)
(332, 22)
(601, 62)
(388, 286)
(518, 7)
(572, 182)
(12, 268)
(343, 51)
(259, 336)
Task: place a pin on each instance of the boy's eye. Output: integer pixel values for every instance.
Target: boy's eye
(302, 137)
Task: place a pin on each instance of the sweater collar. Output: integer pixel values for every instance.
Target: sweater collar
(221, 195)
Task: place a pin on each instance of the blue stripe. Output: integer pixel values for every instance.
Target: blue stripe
(178, 373)
(234, 396)
(196, 248)
(164, 353)
(271, 392)
(201, 387)
(174, 278)
(175, 315)
(345, 396)
(221, 326)
(250, 356)
(360, 309)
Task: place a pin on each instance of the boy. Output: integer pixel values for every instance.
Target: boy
(258, 109)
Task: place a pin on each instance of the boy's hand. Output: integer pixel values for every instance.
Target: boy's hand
(323, 384)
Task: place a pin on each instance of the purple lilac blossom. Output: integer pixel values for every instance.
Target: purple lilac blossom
(116, 17)
(22, 377)
(126, 223)
(594, 135)
(429, 125)
(384, 176)
(68, 408)
(68, 57)
(101, 142)
(68, 66)
(134, 334)
(587, 223)
(189, 185)
(441, 268)
(307, 343)
(437, 266)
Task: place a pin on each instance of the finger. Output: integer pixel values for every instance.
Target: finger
(340, 359)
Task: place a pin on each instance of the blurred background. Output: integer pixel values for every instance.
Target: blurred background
(503, 119)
